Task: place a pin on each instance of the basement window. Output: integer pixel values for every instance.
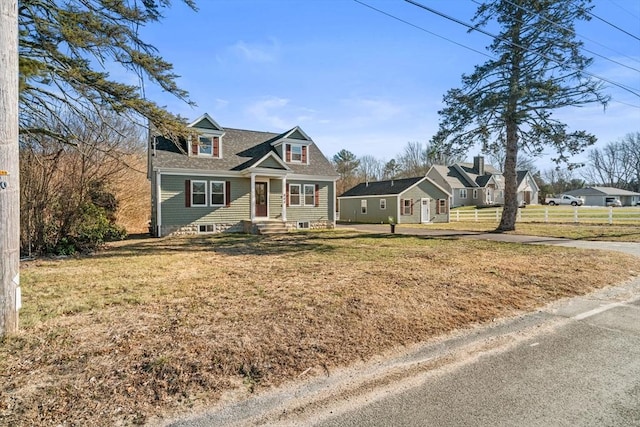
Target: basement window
(303, 224)
(206, 228)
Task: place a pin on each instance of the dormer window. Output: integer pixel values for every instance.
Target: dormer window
(207, 146)
(296, 153)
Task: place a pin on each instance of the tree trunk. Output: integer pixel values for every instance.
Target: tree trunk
(510, 210)
(9, 170)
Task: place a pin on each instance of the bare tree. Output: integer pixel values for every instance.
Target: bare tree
(65, 186)
(414, 160)
(617, 164)
(497, 157)
(370, 169)
(557, 181)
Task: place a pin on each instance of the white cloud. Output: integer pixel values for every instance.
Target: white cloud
(257, 52)
(278, 113)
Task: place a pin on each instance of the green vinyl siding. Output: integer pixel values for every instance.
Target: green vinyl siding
(271, 163)
(174, 211)
(424, 190)
(351, 209)
(312, 213)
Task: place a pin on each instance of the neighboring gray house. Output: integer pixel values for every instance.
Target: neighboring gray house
(239, 180)
(602, 196)
(477, 184)
(407, 201)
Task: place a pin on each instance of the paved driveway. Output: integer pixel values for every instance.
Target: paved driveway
(626, 247)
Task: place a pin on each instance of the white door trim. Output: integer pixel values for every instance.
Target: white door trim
(424, 212)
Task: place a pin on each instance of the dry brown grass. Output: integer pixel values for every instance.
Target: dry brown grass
(154, 327)
(133, 192)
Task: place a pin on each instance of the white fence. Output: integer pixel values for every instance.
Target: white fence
(559, 214)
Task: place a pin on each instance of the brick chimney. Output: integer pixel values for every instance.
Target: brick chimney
(478, 164)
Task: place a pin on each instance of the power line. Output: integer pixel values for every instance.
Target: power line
(422, 29)
(459, 44)
(614, 26)
(626, 10)
(586, 38)
(476, 28)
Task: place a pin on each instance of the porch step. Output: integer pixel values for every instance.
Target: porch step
(271, 227)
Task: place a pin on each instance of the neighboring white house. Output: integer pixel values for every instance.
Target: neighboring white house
(477, 184)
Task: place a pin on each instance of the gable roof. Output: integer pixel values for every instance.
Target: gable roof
(601, 191)
(381, 188)
(205, 122)
(241, 149)
(470, 173)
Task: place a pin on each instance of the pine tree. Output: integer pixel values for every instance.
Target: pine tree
(507, 102)
(65, 46)
(55, 69)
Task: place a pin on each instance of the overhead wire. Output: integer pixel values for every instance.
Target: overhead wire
(614, 26)
(579, 35)
(423, 29)
(476, 28)
(626, 10)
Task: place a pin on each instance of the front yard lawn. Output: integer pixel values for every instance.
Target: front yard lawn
(155, 327)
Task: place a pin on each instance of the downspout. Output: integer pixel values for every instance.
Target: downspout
(252, 198)
(335, 204)
(158, 204)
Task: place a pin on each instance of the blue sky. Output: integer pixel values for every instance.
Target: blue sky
(355, 78)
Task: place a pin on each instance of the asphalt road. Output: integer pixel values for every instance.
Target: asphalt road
(583, 373)
(575, 362)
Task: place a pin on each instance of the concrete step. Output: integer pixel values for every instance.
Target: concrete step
(270, 227)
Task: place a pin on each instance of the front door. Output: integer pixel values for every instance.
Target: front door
(424, 210)
(261, 199)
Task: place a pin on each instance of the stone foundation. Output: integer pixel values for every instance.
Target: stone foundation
(238, 227)
(179, 230)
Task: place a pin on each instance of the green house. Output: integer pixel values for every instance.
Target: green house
(237, 180)
(402, 201)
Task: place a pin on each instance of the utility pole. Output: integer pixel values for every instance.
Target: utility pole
(9, 170)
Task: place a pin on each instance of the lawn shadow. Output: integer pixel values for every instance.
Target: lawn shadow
(226, 243)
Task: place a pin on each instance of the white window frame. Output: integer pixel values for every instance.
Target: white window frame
(206, 228)
(463, 193)
(297, 147)
(313, 194)
(406, 207)
(475, 193)
(442, 206)
(291, 186)
(210, 144)
(193, 193)
(363, 206)
(224, 195)
(383, 204)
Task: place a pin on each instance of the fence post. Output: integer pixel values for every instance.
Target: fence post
(519, 216)
(458, 216)
(475, 212)
(546, 214)
(497, 215)
(575, 214)
(610, 215)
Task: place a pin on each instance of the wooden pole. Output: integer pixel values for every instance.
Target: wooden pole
(9, 170)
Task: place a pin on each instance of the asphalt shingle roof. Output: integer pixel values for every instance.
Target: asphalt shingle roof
(601, 191)
(379, 188)
(240, 149)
